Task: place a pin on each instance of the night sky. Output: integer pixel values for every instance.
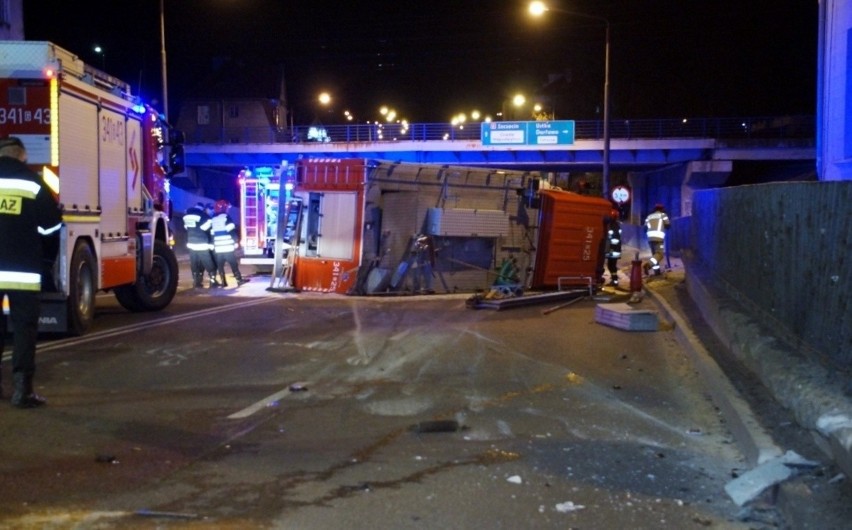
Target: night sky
(432, 59)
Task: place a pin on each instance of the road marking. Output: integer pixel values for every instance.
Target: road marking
(131, 328)
(268, 401)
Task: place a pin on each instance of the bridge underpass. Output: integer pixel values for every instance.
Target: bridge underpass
(666, 170)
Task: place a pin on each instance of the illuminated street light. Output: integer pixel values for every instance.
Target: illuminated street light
(163, 59)
(538, 9)
(100, 51)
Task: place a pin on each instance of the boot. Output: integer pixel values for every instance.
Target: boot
(224, 281)
(240, 279)
(23, 396)
(197, 279)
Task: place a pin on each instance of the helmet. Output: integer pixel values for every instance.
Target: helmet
(613, 214)
(221, 206)
(659, 207)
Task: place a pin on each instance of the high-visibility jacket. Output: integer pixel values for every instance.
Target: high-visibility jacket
(224, 233)
(656, 225)
(613, 239)
(28, 212)
(197, 224)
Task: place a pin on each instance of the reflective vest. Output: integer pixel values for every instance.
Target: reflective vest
(28, 211)
(656, 225)
(613, 235)
(224, 234)
(197, 224)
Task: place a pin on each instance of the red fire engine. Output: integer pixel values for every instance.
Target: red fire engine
(107, 156)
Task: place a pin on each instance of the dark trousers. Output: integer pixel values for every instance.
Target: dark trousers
(201, 261)
(231, 259)
(612, 267)
(24, 309)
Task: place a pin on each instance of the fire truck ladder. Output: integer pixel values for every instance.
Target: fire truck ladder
(250, 229)
(286, 246)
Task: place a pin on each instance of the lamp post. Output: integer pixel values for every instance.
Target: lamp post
(163, 61)
(538, 9)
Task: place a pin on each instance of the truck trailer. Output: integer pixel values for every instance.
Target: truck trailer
(107, 156)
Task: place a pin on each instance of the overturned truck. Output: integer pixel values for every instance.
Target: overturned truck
(371, 227)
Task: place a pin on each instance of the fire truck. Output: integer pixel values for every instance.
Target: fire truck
(107, 156)
(312, 211)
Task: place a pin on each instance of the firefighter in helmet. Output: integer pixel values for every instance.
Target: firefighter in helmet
(198, 224)
(613, 246)
(225, 242)
(656, 225)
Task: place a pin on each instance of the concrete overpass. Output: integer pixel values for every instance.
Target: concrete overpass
(635, 145)
(661, 160)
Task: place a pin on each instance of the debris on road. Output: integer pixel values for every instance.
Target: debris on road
(568, 506)
(622, 316)
(751, 484)
(435, 426)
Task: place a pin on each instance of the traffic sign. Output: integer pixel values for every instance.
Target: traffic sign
(551, 132)
(620, 194)
(528, 132)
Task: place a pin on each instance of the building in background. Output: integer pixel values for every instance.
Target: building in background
(834, 91)
(11, 20)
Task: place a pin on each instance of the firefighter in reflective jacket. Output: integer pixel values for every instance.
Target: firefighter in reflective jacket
(613, 246)
(30, 220)
(225, 242)
(656, 225)
(198, 224)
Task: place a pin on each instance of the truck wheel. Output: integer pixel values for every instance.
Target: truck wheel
(156, 290)
(82, 289)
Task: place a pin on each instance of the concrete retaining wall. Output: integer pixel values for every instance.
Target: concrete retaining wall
(783, 250)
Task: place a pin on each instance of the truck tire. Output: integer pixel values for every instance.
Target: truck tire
(81, 290)
(156, 290)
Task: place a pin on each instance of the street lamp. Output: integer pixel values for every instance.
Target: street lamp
(163, 59)
(538, 9)
(100, 51)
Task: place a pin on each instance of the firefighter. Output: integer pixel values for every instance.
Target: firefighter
(198, 224)
(30, 220)
(656, 225)
(613, 246)
(424, 259)
(225, 242)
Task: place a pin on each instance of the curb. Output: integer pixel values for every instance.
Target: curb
(803, 386)
(754, 441)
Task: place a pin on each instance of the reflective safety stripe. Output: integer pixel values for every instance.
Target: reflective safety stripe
(657, 233)
(614, 254)
(199, 246)
(20, 281)
(48, 231)
(23, 188)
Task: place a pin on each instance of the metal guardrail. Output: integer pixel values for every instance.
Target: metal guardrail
(793, 128)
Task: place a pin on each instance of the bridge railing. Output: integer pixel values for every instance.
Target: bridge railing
(729, 129)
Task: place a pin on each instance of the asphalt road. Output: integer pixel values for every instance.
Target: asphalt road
(241, 408)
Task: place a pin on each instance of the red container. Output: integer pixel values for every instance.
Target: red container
(570, 240)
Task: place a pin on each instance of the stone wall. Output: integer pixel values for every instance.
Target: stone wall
(783, 249)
